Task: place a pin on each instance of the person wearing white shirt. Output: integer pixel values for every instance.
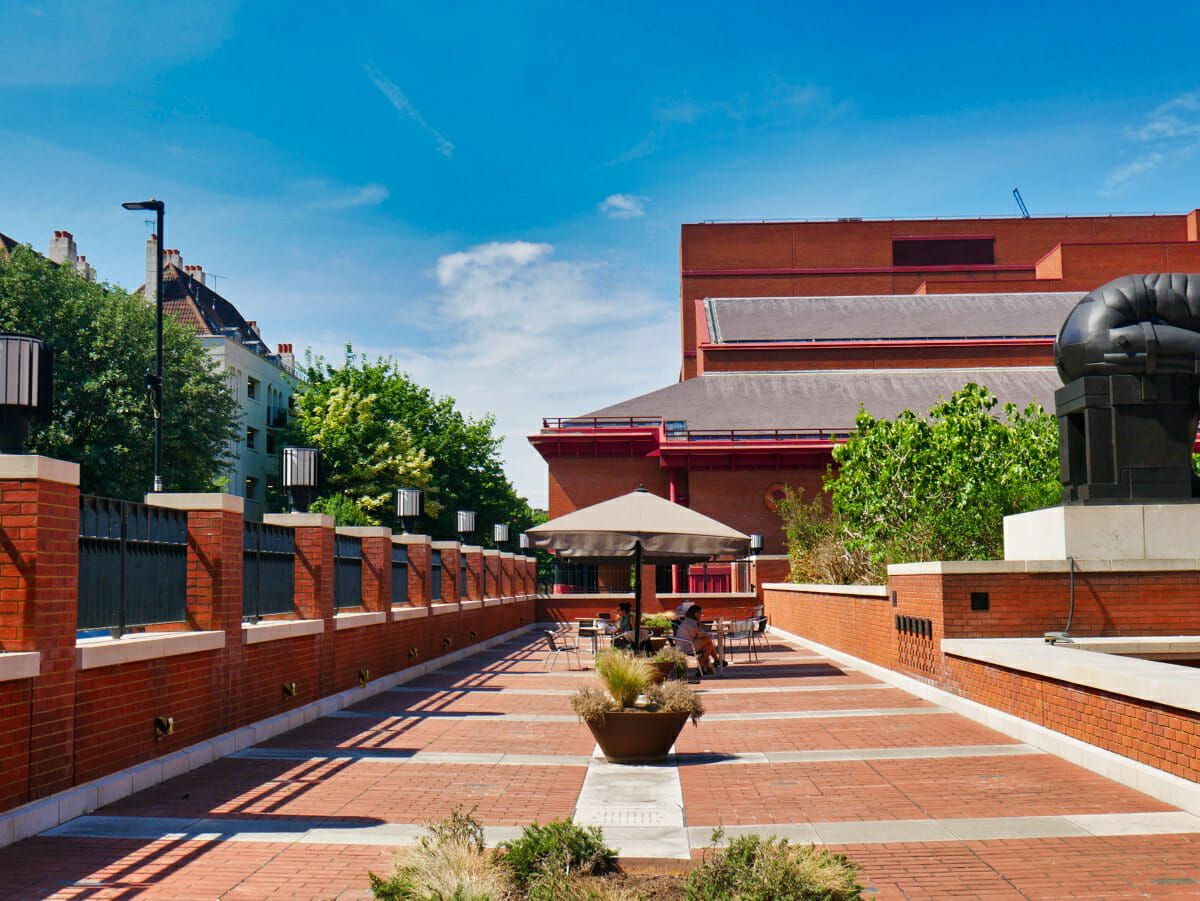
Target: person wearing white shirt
(690, 630)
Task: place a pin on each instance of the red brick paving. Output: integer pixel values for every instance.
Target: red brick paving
(772, 702)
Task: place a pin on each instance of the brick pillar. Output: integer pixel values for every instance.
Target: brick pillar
(508, 575)
(491, 581)
(420, 587)
(474, 586)
(39, 587)
(451, 591)
(376, 565)
(314, 582)
(529, 574)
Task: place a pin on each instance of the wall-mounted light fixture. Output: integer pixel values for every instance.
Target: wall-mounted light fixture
(300, 469)
(500, 534)
(410, 503)
(756, 544)
(163, 726)
(466, 523)
(26, 388)
(364, 676)
(289, 690)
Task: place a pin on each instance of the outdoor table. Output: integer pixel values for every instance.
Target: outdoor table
(598, 628)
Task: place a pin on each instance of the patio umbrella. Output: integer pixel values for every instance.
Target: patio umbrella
(642, 527)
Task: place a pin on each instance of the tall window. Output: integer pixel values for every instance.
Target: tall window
(252, 387)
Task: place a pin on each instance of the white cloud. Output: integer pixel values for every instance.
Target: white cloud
(404, 107)
(623, 206)
(371, 194)
(525, 335)
(1169, 135)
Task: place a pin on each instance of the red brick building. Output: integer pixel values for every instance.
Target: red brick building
(787, 327)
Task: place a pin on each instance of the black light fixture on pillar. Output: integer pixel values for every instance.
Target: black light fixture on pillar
(466, 524)
(500, 534)
(756, 544)
(409, 505)
(26, 388)
(155, 382)
(300, 469)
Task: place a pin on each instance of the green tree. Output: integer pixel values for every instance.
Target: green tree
(103, 339)
(938, 487)
(461, 468)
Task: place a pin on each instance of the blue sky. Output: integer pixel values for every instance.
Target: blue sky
(492, 192)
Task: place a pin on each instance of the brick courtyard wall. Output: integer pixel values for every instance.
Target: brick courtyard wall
(72, 711)
(901, 627)
(473, 590)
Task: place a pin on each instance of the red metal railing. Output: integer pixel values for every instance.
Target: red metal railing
(676, 430)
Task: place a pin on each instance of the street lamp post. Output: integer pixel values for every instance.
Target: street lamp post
(155, 382)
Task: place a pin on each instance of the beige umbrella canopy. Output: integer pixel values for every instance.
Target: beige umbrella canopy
(641, 526)
(662, 531)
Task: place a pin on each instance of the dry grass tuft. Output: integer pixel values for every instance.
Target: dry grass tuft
(624, 675)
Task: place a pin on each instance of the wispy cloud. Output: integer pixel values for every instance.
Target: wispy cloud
(623, 206)
(774, 102)
(399, 100)
(518, 316)
(1169, 135)
(371, 194)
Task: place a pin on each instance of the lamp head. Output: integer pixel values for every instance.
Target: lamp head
(26, 388)
(156, 205)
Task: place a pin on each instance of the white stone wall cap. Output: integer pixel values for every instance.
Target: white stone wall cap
(279, 629)
(984, 567)
(1104, 532)
(197, 501)
(445, 545)
(490, 552)
(708, 596)
(44, 469)
(365, 531)
(754, 557)
(472, 549)
(93, 653)
(470, 605)
(358, 620)
(399, 613)
(506, 555)
(1147, 680)
(868, 591)
(492, 602)
(439, 609)
(405, 538)
(19, 665)
(299, 520)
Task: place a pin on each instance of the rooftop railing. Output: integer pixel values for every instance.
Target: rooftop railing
(677, 430)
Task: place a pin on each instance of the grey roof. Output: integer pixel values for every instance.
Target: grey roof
(887, 316)
(827, 398)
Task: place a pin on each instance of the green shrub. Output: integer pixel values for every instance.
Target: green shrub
(657, 622)
(753, 868)
(624, 675)
(449, 863)
(560, 848)
(678, 659)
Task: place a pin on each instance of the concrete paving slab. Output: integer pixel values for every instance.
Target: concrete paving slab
(1166, 823)
(981, 829)
(882, 831)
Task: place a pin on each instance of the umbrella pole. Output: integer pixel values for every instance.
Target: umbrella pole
(637, 596)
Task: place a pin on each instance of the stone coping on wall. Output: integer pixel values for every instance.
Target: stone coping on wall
(279, 629)
(19, 665)
(299, 520)
(445, 545)
(419, 612)
(507, 555)
(197, 502)
(493, 602)
(470, 605)
(471, 549)
(365, 531)
(707, 595)
(439, 609)
(1147, 680)
(873, 591)
(43, 469)
(405, 538)
(983, 567)
(358, 620)
(490, 552)
(93, 653)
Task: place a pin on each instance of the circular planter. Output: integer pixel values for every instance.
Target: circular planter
(629, 735)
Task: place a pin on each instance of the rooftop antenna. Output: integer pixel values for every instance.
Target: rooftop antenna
(1021, 203)
(214, 275)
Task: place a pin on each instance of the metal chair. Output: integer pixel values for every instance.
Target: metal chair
(742, 630)
(558, 643)
(690, 649)
(758, 635)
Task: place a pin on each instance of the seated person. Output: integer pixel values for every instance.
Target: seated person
(691, 630)
(624, 628)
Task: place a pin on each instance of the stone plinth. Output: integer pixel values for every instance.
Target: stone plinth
(1109, 532)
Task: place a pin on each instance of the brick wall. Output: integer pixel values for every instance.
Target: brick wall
(91, 710)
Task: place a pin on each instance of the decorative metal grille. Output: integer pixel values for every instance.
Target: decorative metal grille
(268, 570)
(399, 574)
(436, 574)
(132, 565)
(347, 571)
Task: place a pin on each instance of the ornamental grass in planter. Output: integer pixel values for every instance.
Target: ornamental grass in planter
(669, 663)
(631, 717)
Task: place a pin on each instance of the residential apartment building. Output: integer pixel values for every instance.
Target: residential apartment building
(260, 380)
(788, 327)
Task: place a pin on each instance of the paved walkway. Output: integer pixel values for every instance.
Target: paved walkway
(931, 804)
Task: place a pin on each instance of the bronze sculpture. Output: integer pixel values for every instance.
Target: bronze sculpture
(1129, 357)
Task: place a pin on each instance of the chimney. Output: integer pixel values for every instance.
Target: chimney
(287, 359)
(253, 323)
(62, 249)
(85, 269)
(151, 268)
(172, 257)
(196, 272)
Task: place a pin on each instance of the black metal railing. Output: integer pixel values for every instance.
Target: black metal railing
(132, 565)
(268, 571)
(347, 571)
(435, 573)
(577, 578)
(399, 574)
(462, 576)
